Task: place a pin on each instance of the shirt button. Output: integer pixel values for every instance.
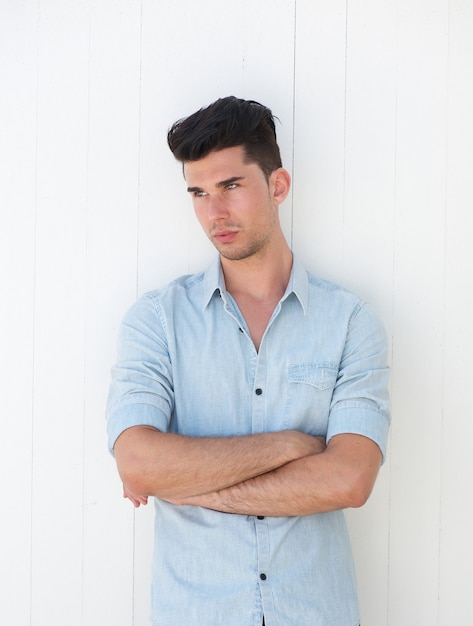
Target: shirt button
(262, 576)
(258, 391)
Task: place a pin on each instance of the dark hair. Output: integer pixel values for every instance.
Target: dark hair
(227, 123)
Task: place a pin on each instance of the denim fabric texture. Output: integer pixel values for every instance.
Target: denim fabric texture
(187, 364)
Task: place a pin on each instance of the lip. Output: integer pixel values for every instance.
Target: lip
(225, 236)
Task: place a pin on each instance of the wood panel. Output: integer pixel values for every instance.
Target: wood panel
(418, 312)
(368, 242)
(18, 88)
(111, 269)
(319, 136)
(456, 542)
(61, 232)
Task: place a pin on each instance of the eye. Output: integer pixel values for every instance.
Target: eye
(231, 186)
(199, 194)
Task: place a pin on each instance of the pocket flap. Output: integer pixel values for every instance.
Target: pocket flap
(320, 375)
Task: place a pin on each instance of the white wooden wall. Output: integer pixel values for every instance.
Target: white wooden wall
(375, 99)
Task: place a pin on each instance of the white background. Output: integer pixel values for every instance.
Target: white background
(375, 99)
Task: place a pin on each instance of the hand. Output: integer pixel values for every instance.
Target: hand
(309, 444)
(136, 500)
(320, 444)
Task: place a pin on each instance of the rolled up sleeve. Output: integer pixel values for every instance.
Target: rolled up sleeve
(141, 392)
(360, 401)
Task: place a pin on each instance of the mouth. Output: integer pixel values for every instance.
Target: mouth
(225, 236)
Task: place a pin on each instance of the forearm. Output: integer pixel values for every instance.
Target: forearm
(281, 492)
(318, 483)
(172, 466)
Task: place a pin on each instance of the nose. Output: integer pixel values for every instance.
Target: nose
(216, 208)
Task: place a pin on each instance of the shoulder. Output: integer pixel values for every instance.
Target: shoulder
(181, 285)
(326, 286)
(158, 301)
(332, 291)
(340, 302)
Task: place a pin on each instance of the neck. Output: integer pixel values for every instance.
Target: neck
(261, 278)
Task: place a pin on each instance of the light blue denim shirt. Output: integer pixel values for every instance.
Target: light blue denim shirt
(186, 364)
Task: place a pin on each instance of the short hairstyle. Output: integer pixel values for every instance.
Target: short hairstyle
(227, 123)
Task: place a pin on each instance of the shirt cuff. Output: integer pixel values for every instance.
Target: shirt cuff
(133, 414)
(360, 420)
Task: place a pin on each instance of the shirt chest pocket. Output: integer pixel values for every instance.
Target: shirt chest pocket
(309, 393)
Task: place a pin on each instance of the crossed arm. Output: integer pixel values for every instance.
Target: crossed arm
(272, 474)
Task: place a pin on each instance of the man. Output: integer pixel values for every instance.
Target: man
(250, 400)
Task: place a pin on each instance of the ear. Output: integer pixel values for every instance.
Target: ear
(280, 184)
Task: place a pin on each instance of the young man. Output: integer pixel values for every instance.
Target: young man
(250, 400)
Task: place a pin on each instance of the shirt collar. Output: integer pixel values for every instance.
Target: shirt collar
(214, 283)
(298, 284)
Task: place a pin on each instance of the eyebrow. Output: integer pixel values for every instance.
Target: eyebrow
(221, 184)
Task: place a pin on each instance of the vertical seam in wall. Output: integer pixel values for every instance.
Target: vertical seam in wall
(393, 297)
(86, 281)
(33, 372)
(133, 580)
(138, 195)
(294, 55)
(138, 215)
(444, 290)
(345, 138)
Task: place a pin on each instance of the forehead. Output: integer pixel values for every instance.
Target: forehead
(218, 166)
